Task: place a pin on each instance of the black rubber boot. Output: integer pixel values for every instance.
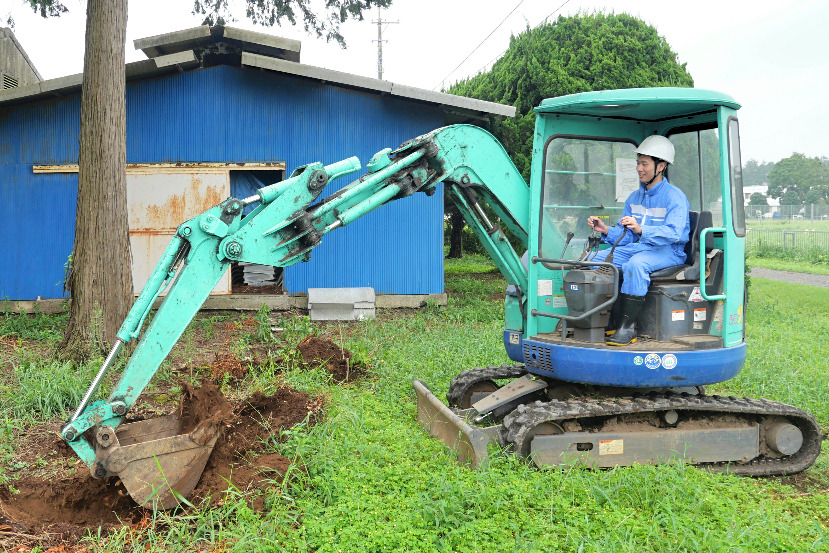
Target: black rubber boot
(626, 333)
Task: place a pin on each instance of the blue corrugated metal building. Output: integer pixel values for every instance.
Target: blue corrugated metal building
(223, 95)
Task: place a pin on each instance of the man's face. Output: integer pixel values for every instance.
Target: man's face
(645, 167)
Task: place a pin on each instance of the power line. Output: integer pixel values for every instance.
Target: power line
(478, 46)
(493, 60)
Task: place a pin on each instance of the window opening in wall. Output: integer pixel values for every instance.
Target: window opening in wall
(252, 278)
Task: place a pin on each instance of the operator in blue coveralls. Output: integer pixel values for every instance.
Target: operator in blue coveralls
(656, 227)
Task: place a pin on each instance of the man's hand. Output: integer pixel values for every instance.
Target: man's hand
(597, 224)
(631, 223)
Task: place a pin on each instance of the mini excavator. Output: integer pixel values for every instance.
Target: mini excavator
(569, 397)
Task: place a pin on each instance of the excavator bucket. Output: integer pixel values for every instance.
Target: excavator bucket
(441, 422)
(158, 464)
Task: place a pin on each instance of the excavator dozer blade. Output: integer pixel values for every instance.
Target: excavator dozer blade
(157, 463)
(441, 422)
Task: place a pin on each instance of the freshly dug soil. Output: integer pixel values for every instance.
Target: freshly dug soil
(58, 510)
(337, 360)
(37, 511)
(315, 352)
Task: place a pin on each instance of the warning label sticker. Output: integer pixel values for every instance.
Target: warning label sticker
(695, 295)
(678, 315)
(700, 314)
(611, 447)
(545, 287)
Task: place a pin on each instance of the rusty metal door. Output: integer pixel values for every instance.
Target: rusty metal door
(158, 201)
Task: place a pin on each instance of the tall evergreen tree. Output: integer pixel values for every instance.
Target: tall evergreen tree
(579, 53)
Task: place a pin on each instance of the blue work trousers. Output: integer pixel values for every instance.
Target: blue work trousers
(637, 261)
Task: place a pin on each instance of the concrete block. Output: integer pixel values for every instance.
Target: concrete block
(341, 304)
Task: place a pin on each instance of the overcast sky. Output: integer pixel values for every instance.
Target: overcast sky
(773, 58)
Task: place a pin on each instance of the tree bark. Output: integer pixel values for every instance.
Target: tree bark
(100, 278)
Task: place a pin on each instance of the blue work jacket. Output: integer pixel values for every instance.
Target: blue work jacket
(662, 212)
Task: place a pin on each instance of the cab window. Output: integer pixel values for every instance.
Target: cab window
(582, 177)
(696, 170)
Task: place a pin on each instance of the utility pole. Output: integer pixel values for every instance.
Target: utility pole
(380, 41)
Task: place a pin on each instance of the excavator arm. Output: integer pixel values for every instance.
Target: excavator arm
(160, 461)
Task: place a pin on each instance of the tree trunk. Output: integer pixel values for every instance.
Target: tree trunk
(100, 279)
(456, 223)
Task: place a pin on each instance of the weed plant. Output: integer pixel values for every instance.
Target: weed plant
(812, 255)
(46, 389)
(788, 265)
(36, 326)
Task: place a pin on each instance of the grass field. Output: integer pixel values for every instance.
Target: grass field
(788, 224)
(795, 266)
(370, 480)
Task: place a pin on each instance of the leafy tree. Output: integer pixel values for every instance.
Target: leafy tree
(798, 178)
(791, 197)
(100, 277)
(579, 53)
(755, 173)
(273, 12)
(758, 199)
(815, 196)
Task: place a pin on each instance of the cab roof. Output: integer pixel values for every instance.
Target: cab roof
(645, 104)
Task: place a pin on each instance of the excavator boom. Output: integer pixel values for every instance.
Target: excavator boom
(160, 461)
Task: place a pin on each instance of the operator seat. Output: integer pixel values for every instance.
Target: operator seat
(690, 270)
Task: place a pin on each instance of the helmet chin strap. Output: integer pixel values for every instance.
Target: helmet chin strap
(653, 179)
(656, 174)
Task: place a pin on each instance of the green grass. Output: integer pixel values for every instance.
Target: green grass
(470, 263)
(372, 480)
(788, 265)
(788, 351)
(36, 326)
(788, 224)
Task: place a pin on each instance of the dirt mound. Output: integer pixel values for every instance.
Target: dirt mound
(337, 360)
(313, 351)
(237, 456)
(39, 511)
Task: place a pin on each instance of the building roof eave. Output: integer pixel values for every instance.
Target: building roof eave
(454, 103)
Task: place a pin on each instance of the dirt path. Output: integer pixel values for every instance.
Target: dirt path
(788, 276)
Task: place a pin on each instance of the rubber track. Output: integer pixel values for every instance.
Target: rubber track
(465, 380)
(517, 423)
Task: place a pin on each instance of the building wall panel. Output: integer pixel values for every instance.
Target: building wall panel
(225, 114)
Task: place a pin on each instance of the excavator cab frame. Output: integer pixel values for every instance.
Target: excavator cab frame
(584, 156)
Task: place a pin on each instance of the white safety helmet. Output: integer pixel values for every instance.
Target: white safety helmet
(658, 147)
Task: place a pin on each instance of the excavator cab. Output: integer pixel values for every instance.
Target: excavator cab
(692, 317)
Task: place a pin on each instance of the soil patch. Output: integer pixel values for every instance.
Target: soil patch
(314, 352)
(264, 290)
(337, 360)
(53, 511)
(239, 456)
